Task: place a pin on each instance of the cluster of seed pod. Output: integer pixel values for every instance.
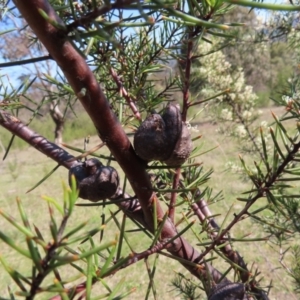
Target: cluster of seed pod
(160, 137)
(94, 180)
(164, 137)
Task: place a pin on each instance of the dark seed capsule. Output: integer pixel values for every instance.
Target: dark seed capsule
(164, 137)
(94, 180)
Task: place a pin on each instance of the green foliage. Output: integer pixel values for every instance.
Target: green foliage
(186, 287)
(48, 258)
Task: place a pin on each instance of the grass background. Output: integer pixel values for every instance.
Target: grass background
(25, 166)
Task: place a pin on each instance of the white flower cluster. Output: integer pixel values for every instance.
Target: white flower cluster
(287, 99)
(247, 114)
(290, 99)
(240, 131)
(296, 95)
(217, 73)
(226, 114)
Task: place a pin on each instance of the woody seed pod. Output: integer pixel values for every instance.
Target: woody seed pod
(164, 137)
(94, 180)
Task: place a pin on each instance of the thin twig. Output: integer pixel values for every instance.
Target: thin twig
(25, 61)
(15, 126)
(261, 191)
(104, 9)
(125, 94)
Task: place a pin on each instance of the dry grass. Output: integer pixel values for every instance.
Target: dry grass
(23, 169)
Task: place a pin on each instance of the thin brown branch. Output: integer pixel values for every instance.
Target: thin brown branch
(187, 77)
(99, 11)
(25, 61)
(205, 216)
(135, 257)
(58, 118)
(45, 262)
(125, 94)
(16, 127)
(261, 192)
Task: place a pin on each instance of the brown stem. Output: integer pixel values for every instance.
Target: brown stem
(202, 211)
(262, 190)
(86, 87)
(25, 61)
(19, 129)
(124, 93)
(205, 216)
(50, 251)
(89, 17)
(188, 65)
